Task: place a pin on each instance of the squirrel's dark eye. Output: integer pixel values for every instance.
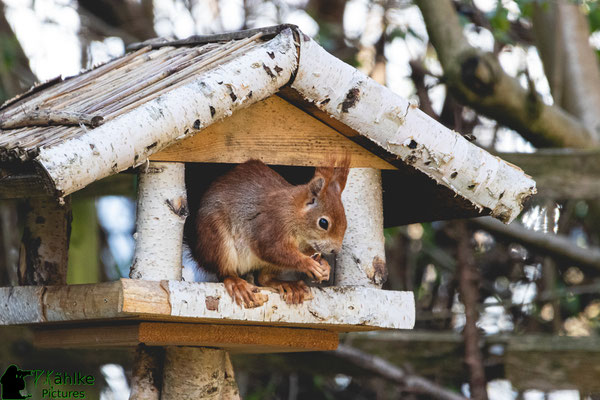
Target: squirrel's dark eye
(311, 202)
(323, 223)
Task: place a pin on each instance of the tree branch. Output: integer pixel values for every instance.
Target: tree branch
(135, 18)
(561, 173)
(477, 79)
(556, 245)
(417, 75)
(392, 373)
(517, 32)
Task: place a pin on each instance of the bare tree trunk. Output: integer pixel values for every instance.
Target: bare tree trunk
(549, 276)
(562, 33)
(329, 14)
(135, 18)
(187, 372)
(45, 243)
(468, 277)
(9, 243)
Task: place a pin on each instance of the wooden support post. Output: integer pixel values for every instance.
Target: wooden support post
(146, 376)
(362, 259)
(162, 209)
(198, 373)
(161, 213)
(45, 243)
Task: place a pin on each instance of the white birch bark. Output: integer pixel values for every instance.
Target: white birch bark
(45, 243)
(131, 138)
(161, 212)
(362, 259)
(343, 309)
(340, 308)
(404, 131)
(146, 379)
(198, 373)
(333, 86)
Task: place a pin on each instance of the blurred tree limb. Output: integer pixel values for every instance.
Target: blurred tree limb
(517, 30)
(477, 79)
(558, 246)
(561, 173)
(130, 20)
(389, 371)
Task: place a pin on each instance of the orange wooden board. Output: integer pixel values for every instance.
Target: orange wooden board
(273, 131)
(234, 338)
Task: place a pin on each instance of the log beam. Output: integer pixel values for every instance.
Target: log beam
(161, 212)
(45, 243)
(340, 309)
(198, 373)
(362, 259)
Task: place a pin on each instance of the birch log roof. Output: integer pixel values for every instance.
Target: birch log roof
(66, 134)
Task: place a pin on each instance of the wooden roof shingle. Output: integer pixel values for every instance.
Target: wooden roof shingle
(77, 104)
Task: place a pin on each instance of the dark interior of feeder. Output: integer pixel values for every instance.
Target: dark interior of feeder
(409, 196)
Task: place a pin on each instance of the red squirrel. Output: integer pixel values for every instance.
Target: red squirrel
(252, 219)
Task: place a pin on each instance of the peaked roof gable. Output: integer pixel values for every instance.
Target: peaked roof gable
(161, 94)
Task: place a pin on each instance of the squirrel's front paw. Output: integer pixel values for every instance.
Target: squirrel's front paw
(317, 268)
(244, 293)
(294, 292)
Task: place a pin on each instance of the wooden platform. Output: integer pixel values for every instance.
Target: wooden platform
(234, 338)
(127, 312)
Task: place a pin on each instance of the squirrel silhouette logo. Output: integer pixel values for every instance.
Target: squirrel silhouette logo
(12, 382)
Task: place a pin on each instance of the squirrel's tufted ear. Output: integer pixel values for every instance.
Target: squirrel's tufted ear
(316, 185)
(340, 174)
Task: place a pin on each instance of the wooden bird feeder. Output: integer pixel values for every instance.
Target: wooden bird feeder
(271, 94)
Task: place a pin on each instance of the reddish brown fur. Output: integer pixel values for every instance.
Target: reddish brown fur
(251, 218)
